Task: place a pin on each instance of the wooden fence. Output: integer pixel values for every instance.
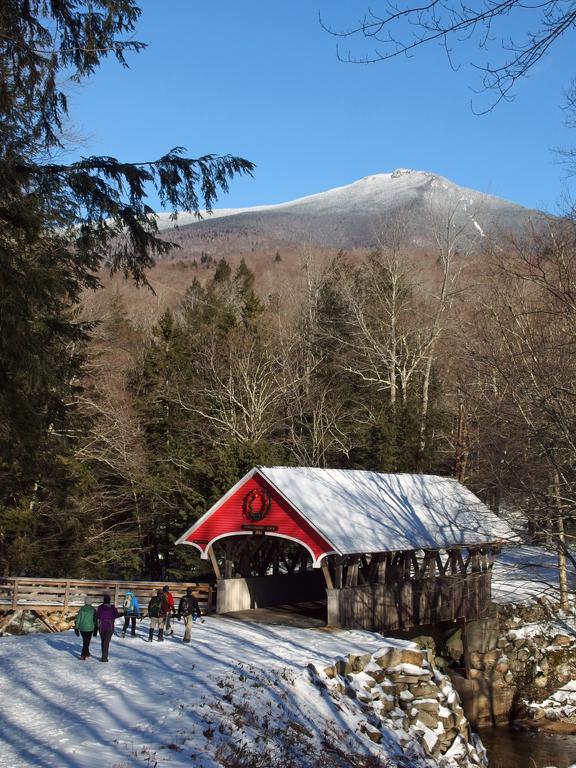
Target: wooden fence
(411, 603)
(61, 595)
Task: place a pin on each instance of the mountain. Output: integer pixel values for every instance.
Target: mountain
(358, 216)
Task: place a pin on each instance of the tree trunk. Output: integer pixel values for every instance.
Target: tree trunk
(561, 548)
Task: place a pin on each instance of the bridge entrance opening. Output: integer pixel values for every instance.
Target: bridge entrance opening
(270, 577)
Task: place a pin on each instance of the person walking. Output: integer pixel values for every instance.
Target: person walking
(131, 613)
(106, 615)
(167, 608)
(156, 616)
(189, 610)
(86, 625)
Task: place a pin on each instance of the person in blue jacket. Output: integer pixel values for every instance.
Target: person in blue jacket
(131, 613)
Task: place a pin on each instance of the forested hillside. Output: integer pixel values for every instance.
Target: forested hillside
(382, 362)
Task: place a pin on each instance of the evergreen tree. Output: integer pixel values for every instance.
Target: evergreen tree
(223, 272)
(58, 225)
(244, 278)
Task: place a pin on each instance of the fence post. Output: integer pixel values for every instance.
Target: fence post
(116, 594)
(210, 591)
(15, 594)
(66, 595)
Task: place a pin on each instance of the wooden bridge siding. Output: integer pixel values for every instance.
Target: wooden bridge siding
(416, 602)
(57, 595)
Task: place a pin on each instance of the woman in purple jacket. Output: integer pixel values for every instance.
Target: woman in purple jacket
(106, 615)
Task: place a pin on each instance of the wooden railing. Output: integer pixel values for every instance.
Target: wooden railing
(58, 595)
(411, 603)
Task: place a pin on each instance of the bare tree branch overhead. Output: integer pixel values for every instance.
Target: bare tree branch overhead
(502, 58)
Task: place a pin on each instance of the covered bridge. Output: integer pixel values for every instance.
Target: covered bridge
(386, 551)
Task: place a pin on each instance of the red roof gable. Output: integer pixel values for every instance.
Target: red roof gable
(255, 506)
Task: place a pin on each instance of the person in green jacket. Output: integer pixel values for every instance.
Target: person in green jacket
(87, 626)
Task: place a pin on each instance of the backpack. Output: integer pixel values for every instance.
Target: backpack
(190, 605)
(155, 607)
(165, 604)
(128, 602)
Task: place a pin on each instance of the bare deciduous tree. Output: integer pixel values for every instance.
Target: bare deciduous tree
(522, 349)
(400, 30)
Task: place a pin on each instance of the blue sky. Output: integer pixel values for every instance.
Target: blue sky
(261, 80)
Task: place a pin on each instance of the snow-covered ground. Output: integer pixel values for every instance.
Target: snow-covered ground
(237, 686)
(525, 573)
(170, 704)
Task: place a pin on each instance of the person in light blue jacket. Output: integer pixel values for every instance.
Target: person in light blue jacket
(131, 613)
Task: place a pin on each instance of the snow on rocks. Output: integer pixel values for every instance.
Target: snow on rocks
(413, 701)
(561, 704)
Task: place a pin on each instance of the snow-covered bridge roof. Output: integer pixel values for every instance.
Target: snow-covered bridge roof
(353, 511)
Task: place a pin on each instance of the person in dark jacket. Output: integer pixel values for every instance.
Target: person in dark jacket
(86, 625)
(106, 615)
(188, 609)
(131, 613)
(156, 616)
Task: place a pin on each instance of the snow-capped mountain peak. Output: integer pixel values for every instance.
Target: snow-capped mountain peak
(351, 216)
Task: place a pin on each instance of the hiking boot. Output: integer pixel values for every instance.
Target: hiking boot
(150, 635)
(160, 635)
(132, 634)
(123, 634)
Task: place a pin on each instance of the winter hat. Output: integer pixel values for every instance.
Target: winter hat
(189, 591)
(166, 589)
(106, 597)
(87, 600)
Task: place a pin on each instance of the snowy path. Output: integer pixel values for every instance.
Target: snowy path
(61, 712)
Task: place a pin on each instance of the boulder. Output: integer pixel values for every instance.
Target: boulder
(375, 671)
(409, 656)
(385, 658)
(425, 690)
(476, 660)
(384, 705)
(428, 719)
(428, 739)
(491, 657)
(561, 639)
(343, 666)
(330, 671)
(373, 733)
(359, 660)
(447, 719)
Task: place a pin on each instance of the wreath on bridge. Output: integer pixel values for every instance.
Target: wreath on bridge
(256, 504)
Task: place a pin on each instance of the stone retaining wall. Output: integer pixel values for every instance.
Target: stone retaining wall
(533, 655)
(402, 691)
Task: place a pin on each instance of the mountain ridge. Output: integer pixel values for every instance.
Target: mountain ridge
(356, 215)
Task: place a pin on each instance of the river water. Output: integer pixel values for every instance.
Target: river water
(520, 749)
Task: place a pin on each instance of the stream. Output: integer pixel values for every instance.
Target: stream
(521, 749)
